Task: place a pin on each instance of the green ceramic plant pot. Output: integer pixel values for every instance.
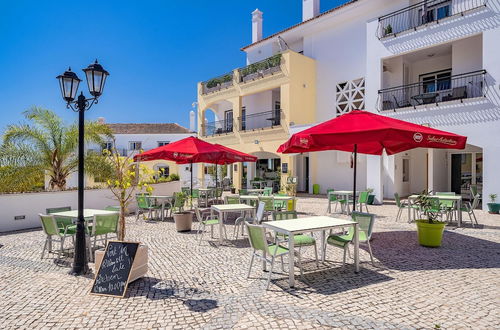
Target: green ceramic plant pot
(430, 234)
(371, 199)
(493, 208)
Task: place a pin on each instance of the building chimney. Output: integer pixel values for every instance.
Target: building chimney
(256, 25)
(192, 127)
(310, 9)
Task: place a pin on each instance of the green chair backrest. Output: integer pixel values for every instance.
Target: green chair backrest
(445, 193)
(243, 192)
(268, 202)
(186, 190)
(196, 193)
(434, 204)
(365, 221)
(105, 223)
(218, 192)
(142, 201)
(284, 215)
(49, 224)
(363, 197)
(398, 200)
(233, 200)
(267, 191)
(331, 197)
(51, 210)
(257, 237)
(61, 221)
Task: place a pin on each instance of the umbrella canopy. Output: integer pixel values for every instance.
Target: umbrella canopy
(236, 156)
(369, 133)
(372, 134)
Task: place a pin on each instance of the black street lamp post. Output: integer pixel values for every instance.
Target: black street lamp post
(69, 81)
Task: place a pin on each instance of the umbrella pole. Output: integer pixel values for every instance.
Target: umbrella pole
(191, 190)
(354, 184)
(216, 197)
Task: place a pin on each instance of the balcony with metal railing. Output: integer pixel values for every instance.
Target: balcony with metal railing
(445, 89)
(218, 127)
(261, 120)
(422, 14)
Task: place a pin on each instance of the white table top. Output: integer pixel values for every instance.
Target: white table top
(301, 225)
(232, 207)
(87, 213)
(160, 196)
(341, 192)
(255, 190)
(206, 189)
(445, 197)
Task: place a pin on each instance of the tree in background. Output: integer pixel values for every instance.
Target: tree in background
(125, 179)
(44, 145)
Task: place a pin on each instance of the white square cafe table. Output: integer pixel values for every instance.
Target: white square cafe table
(221, 209)
(302, 225)
(87, 213)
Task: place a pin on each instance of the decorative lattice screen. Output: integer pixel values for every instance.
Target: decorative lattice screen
(350, 95)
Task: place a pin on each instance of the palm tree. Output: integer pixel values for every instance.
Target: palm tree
(44, 144)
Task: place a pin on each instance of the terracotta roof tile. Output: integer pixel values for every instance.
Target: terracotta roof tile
(164, 128)
(301, 23)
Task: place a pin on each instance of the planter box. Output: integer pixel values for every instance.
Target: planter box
(183, 221)
(493, 208)
(140, 266)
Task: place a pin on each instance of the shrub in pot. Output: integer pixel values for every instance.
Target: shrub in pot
(430, 229)
(183, 219)
(493, 207)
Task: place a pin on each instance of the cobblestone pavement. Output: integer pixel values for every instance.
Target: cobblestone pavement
(205, 286)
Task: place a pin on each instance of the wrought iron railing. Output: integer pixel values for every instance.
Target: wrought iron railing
(261, 120)
(451, 88)
(218, 127)
(216, 84)
(261, 69)
(423, 13)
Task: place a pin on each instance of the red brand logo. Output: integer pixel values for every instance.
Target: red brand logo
(418, 137)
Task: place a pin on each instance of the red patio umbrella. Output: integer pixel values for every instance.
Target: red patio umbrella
(369, 133)
(193, 150)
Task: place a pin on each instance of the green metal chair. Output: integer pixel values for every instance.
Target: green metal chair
(268, 191)
(243, 192)
(434, 207)
(144, 204)
(280, 205)
(334, 199)
(217, 196)
(300, 240)
(61, 221)
(204, 221)
(268, 205)
(186, 190)
(363, 200)
(402, 205)
(102, 226)
(232, 200)
(470, 207)
(258, 241)
(447, 206)
(365, 224)
(52, 228)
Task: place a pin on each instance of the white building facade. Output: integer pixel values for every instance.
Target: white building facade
(431, 62)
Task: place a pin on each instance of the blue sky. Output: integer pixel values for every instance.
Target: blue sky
(155, 51)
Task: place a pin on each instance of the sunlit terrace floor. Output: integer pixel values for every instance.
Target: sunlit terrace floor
(191, 286)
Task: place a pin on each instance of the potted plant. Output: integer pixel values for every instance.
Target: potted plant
(183, 219)
(371, 196)
(388, 30)
(430, 229)
(493, 207)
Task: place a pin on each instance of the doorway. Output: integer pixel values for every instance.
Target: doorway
(466, 171)
(306, 174)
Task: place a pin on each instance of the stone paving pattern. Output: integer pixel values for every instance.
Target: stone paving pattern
(191, 286)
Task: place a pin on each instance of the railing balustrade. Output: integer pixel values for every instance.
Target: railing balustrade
(422, 13)
(456, 87)
(218, 127)
(267, 119)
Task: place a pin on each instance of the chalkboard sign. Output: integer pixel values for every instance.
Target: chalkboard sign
(113, 274)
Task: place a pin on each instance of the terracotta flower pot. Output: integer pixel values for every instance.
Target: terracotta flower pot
(183, 221)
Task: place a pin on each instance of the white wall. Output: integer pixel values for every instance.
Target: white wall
(334, 171)
(467, 55)
(32, 204)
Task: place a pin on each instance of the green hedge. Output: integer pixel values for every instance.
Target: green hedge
(270, 62)
(222, 79)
